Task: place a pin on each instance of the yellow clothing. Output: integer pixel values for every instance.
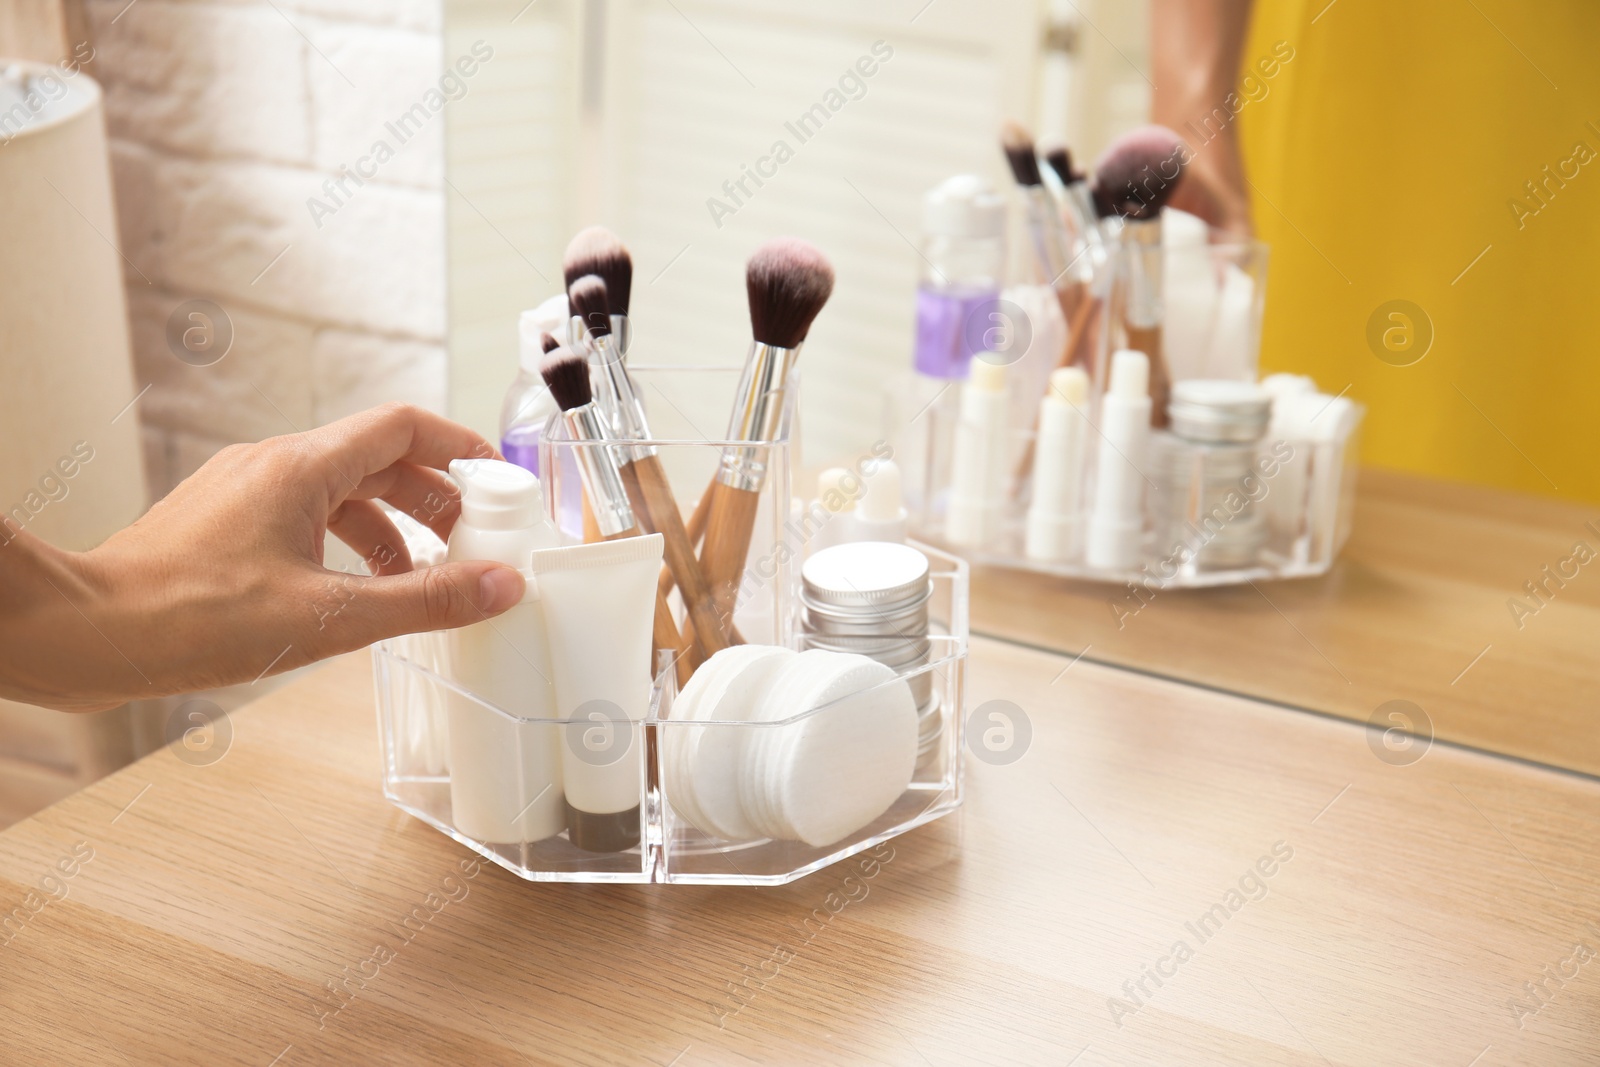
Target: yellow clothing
(1401, 155)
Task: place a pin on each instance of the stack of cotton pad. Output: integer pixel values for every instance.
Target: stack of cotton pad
(818, 778)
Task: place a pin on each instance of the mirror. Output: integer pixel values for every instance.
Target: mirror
(697, 130)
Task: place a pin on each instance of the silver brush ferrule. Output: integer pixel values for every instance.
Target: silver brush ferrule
(597, 466)
(760, 414)
(622, 332)
(1141, 238)
(616, 396)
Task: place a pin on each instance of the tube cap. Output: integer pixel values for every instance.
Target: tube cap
(963, 206)
(496, 495)
(615, 831)
(1053, 537)
(549, 317)
(1130, 373)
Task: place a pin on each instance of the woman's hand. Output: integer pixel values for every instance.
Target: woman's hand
(222, 581)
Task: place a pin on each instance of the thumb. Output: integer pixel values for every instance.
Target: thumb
(430, 598)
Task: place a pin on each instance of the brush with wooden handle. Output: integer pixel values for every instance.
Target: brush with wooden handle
(1133, 180)
(643, 477)
(787, 281)
(1066, 260)
(566, 373)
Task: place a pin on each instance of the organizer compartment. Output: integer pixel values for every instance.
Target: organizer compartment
(809, 815)
(1214, 513)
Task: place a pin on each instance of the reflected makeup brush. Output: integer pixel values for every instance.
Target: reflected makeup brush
(1078, 201)
(1051, 244)
(566, 374)
(596, 250)
(787, 281)
(1133, 181)
(643, 477)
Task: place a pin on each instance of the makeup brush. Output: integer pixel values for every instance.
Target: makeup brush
(1068, 234)
(1133, 181)
(1051, 246)
(643, 477)
(548, 342)
(787, 281)
(596, 250)
(566, 374)
(1078, 200)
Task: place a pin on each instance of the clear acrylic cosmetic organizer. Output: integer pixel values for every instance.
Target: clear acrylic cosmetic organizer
(415, 693)
(1304, 505)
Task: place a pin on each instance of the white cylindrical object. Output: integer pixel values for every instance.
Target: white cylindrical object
(71, 459)
(599, 601)
(505, 776)
(64, 354)
(881, 514)
(977, 484)
(1055, 518)
(1117, 521)
(827, 518)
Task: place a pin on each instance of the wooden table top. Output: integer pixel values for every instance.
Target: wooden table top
(1416, 609)
(1334, 908)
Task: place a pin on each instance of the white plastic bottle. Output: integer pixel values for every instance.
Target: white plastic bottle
(978, 478)
(880, 515)
(505, 776)
(1055, 518)
(528, 405)
(1117, 521)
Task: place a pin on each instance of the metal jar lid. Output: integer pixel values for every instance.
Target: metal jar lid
(1204, 409)
(865, 577)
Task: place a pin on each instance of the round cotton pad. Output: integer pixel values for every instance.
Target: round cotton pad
(679, 742)
(789, 694)
(837, 769)
(717, 753)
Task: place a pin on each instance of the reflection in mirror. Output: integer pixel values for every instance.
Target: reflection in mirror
(697, 130)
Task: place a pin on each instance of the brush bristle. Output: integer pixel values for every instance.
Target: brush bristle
(548, 342)
(788, 280)
(590, 299)
(1017, 143)
(566, 373)
(1060, 161)
(1139, 172)
(598, 251)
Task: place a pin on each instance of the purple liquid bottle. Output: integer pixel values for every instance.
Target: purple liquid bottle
(958, 299)
(951, 328)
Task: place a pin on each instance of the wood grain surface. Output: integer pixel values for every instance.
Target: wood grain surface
(1401, 910)
(1416, 610)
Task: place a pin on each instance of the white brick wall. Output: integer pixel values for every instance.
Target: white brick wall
(225, 117)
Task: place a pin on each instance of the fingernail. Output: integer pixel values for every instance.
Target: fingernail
(499, 589)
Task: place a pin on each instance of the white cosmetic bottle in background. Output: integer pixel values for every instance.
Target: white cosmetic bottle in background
(1117, 521)
(505, 777)
(978, 482)
(1055, 518)
(881, 514)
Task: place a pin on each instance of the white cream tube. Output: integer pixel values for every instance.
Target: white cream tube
(1117, 522)
(1055, 518)
(598, 602)
(978, 478)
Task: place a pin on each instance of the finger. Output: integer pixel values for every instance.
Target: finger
(421, 492)
(363, 526)
(432, 598)
(366, 443)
